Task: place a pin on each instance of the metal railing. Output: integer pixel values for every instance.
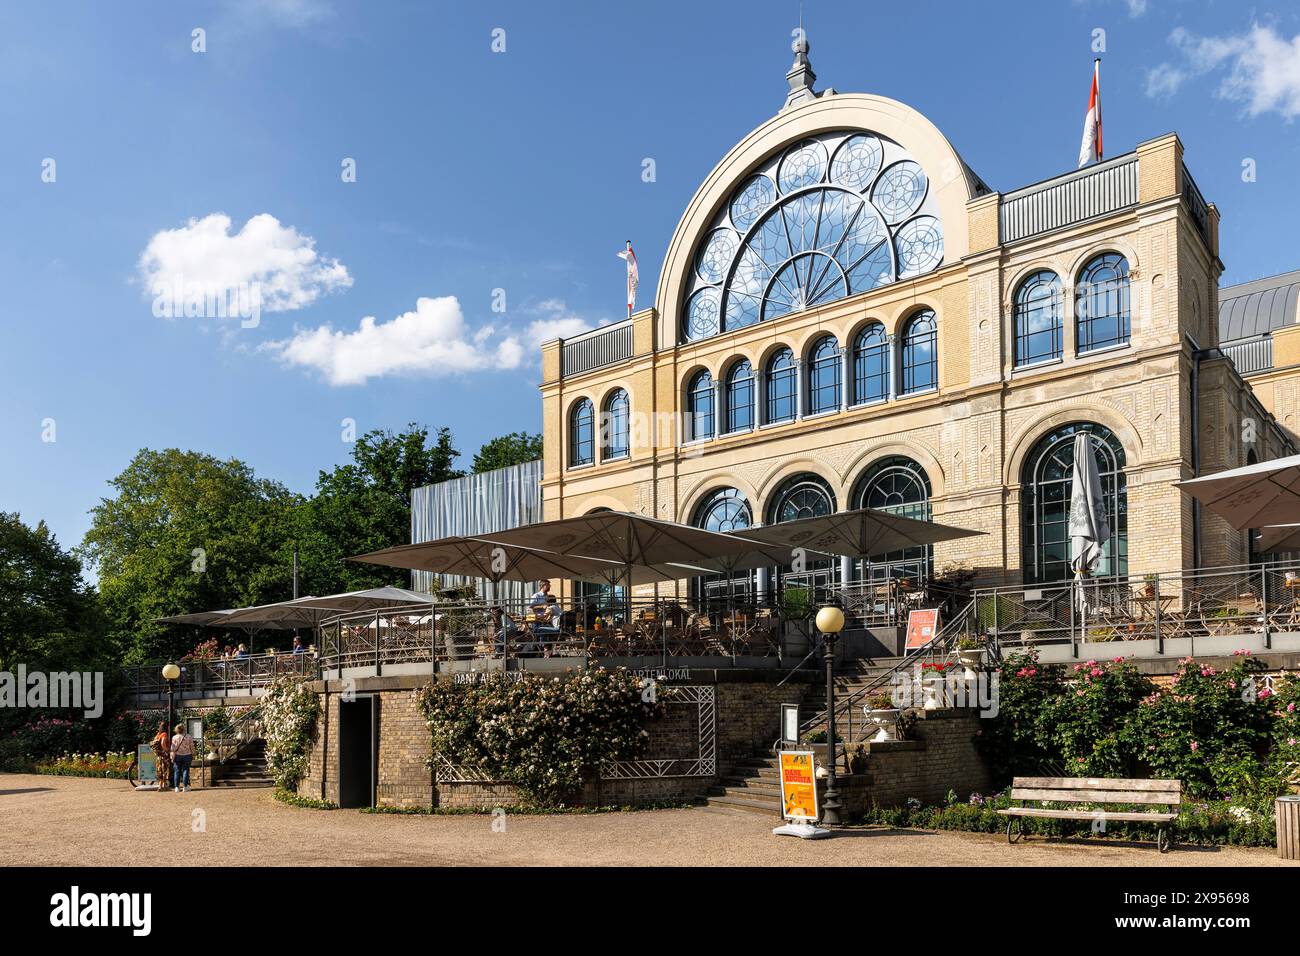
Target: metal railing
(1196, 205)
(940, 648)
(241, 732)
(477, 632)
(222, 677)
(596, 348)
(1253, 355)
(1205, 605)
(1071, 198)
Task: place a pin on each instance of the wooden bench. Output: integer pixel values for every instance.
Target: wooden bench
(1096, 791)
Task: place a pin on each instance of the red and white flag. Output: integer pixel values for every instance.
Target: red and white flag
(629, 257)
(1090, 148)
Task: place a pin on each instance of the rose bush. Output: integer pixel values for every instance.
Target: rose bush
(289, 712)
(545, 735)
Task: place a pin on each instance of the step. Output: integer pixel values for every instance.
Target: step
(245, 784)
(731, 788)
(769, 808)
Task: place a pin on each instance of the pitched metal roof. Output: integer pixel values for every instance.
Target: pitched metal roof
(1257, 308)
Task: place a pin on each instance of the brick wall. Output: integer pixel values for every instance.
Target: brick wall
(941, 756)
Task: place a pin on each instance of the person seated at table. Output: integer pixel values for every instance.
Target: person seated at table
(540, 595)
(298, 646)
(242, 652)
(504, 628)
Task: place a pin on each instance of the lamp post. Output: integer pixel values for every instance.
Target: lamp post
(170, 673)
(830, 621)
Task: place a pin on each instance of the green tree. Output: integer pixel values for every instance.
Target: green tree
(365, 505)
(49, 617)
(513, 449)
(186, 532)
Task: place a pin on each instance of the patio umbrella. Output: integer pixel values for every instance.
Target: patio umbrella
(497, 561)
(1266, 493)
(861, 533)
(639, 545)
(1279, 537)
(310, 611)
(221, 618)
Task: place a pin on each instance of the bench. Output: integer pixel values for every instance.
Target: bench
(1094, 791)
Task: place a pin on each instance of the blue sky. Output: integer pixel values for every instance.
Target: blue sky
(476, 171)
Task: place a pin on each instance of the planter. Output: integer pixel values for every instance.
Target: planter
(886, 722)
(972, 660)
(934, 691)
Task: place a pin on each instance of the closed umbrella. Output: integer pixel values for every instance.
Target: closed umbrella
(1088, 525)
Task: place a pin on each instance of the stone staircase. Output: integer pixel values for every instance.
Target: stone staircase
(752, 786)
(247, 770)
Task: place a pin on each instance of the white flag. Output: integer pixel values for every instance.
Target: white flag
(1090, 148)
(630, 258)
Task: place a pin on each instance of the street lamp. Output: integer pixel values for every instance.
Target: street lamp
(170, 673)
(830, 621)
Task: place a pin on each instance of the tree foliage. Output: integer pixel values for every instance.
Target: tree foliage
(49, 617)
(515, 448)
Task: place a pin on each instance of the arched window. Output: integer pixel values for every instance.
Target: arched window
(582, 434)
(724, 510)
(740, 397)
(920, 353)
(802, 496)
(1047, 482)
(782, 387)
(870, 364)
(700, 403)
(824, 364)
(614, 427)
(1101, 303)
(829, 216)
(1038, 319)
(900, 486)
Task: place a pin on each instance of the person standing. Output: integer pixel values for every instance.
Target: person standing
(182, 756)
(161, 745)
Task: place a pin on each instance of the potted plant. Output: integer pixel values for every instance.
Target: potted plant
(882, 712)
(970, 651)
(934, 685)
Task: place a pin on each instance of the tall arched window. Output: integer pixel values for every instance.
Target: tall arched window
(782, 387)
(1037, 319)
(801, 496)
(582, 434)
(900, 486)
(920, 353)
(724, 510)
(614, 427)
(1101, 303)
(740, 397)
(700, 399)
(1047, 482)
(824, 364)
(870, 364)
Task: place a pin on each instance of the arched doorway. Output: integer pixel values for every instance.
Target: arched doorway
(724, 509)
(896, 485)
(803, 496)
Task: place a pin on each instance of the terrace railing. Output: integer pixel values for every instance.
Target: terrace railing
(1204, 606)
(219, 677)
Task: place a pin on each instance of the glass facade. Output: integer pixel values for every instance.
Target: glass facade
(614, 426)
(582, 434)
(700, 399)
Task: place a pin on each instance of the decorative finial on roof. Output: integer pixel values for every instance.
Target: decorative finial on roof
(801, 76)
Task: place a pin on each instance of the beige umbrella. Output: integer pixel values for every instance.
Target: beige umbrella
(220, 618)
(862, 533)
(1278, 537)
(1266, 493)
(310, 611)
(497, 561)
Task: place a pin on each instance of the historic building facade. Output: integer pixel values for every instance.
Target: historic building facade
(847, 316)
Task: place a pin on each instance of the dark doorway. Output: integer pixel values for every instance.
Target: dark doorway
(358, 751)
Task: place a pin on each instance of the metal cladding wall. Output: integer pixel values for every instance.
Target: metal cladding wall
(475, 505)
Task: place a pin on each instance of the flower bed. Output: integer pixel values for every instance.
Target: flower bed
(113, 765)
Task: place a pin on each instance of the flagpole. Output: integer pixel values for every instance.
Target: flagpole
(1096, 78)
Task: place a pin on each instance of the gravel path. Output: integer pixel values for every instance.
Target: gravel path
(76, 821)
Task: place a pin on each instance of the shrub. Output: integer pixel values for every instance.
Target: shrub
(1086, 723)
(289, 711)
(545, 735)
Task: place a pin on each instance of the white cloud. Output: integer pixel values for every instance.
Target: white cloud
(556, 321)
(1136, 7)
(1263, 69)
(276, 258)
(433, 340)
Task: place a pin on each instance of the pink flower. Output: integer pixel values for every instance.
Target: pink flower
(1194, 746)
(1097, 672)
(1265, 693)
(1290, 708)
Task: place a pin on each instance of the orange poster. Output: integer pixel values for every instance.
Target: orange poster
(922, 626)
(798, 786)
